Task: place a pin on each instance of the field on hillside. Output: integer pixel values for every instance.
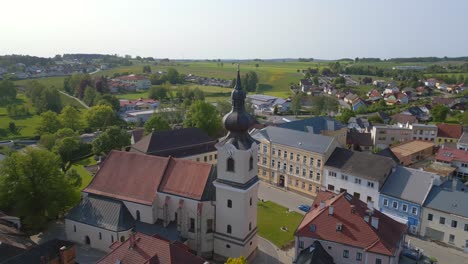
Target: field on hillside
(26, 125)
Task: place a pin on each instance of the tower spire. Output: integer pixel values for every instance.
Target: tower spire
(238, 85)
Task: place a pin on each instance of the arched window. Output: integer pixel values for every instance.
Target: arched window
(250, 200)
(229, 203)
(122, 239)
(251, 163)
(250, 226)
(230, 164)
(137, 215)
(100, 236)
(74, 228)
(229, 229)
(112, 238)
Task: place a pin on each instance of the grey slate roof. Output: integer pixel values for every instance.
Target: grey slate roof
(49, 249)
(102, 212)
(314, 125)
(446, 199)
(409, 184)
(295, 139)
(367, 166)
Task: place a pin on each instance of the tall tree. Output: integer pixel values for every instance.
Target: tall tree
(35, 188)
(157, 93)
(71, 118)
(67, 148)
(7, 91)
(156, 123)
(100, 116)
(110, 100)
(439, 113)
(90, 96)
(112, 138)
(296, 103)
(50, 123)
(203, 115)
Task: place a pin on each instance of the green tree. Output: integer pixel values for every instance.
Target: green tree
(346, 114)
(296, 103)
(90, 96)
(110, 100)
(203, 115)
(156, 123)
(157, 93)
(223, 107)
(198, 94)
(172, 76)
(439, 113)
(315, 80)
(67, 148)
(34, 187)
(146, 69)
(13, 128)
(100, 116)
(71, 118)
(7, 91)
(112, 138)
(50, 123)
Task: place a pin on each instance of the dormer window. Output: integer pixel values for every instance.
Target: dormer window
(251, 163)
(230, 164)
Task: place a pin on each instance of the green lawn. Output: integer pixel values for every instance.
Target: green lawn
(271, 217)
(85, 175)
(27, 124)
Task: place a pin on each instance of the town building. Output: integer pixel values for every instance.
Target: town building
(404, 119)
(359, 124)
(413, 151)
(51, 252)
(12, 241)
(212, 211)
(384, 136)
(143, 249)
(445, 214)
(137, 105)
(320, 125)
(448, 133)
(359, 141)
(424, 132)
(139, 81)
(463, 142)
(314, 254)
(293, 159)
(305, 85)
(187, 143)
(267, 103)
(456, 158)
(403, 195)
(350, 230)
(360, 174)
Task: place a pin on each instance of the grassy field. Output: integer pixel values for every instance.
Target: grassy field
(85, 175)
(27, 125)
(271, 217)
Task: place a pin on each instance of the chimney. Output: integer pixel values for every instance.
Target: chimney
(330, 210)
(375, 222)
(322, 205)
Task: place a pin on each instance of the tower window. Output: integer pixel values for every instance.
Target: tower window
(137, 215)
(230, 164)
(229, 203)
(250, 200)
(250, 226)
(251, 163)
(229, 229)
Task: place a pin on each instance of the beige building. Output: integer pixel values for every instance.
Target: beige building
(292, 159)
(445, 214)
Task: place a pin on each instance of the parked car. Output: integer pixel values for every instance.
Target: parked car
(304, 208)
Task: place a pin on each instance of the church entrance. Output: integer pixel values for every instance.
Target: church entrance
(281, 181)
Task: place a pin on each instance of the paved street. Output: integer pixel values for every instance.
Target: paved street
(287, 199)
(443, 254)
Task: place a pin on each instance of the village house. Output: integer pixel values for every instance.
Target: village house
(424, 132)
(140, 104)
(359, 124)
(116, 87)
(350, 98)
(267, 103)
(293, 159)
(305, 85)
(448, 133)
(359, 141)
(139, 81)
(413, 151)
(430, 82)
(403, 195)
(350, 230)
(403, 119)
(379, 83)
(384, 136)
(187, 143)
(374, 95)
(457, 158)
(445, 214)
(357, 173)
(54, 251)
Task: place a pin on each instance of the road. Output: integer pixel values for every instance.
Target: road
(287, 199)
(75, 98)
(443, 254)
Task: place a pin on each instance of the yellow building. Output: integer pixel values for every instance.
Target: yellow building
(448, 133)
(293, 159)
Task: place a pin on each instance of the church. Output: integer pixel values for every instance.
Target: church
(211, 208)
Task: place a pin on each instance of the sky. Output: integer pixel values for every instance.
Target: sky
(240, 29)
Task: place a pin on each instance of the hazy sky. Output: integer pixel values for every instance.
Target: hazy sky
(198, 29)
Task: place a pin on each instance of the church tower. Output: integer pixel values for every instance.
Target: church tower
(237, 183)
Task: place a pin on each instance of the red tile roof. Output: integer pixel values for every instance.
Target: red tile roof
(149, 249)
(451, 154)
(176, 180)
(403, 119)
(125, 102)
(449, 130)
(356, 231)
(132, 77)
(374, 93)
(136, 177)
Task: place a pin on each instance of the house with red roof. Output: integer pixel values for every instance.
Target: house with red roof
(448, 133)
(140, 104)
(133, 191)
(350, 230)
(139, 81)
(144, 249)
(457, 158)
(374, 95)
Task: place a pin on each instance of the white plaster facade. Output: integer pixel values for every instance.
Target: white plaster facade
(354, 185)
(236, 202)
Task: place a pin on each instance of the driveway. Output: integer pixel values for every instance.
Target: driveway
(443, 254)
(282, 197)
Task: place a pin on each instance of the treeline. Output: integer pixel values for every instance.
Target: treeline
(43, 98)
(428, 59)
(27, 60)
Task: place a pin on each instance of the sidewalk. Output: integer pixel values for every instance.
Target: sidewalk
(443, 254)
